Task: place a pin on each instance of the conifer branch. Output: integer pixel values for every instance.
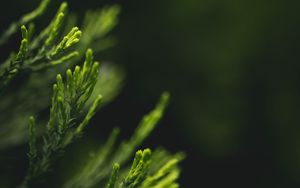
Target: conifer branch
(98, 168)
(139, 168)
(49, 54)
(68, 100)
(114, 176)
(140, 175)
(62, 42)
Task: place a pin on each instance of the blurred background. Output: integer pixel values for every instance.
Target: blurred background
(232, 68)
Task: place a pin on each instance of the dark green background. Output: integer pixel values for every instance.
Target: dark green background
(232, 68)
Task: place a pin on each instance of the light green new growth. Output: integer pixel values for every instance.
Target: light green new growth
(166, 176)
(46, 52)
(54, 29)
(98, 167)
(140, 175)
(43, 36)
(114, 176)
(63, 127)
(69, 40)
(24, 44)
(15, 63)
(139, 168)
(69, 99)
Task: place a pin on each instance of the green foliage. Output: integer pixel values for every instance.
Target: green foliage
(114, 176)
(94, 34)
(142, 174)
(44, 51)
(63, 127)
(97, 168)
(138, 170)
(75, 100)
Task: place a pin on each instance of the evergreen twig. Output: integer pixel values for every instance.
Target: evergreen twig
(63, 127)
(49, 53)
(71, 96)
